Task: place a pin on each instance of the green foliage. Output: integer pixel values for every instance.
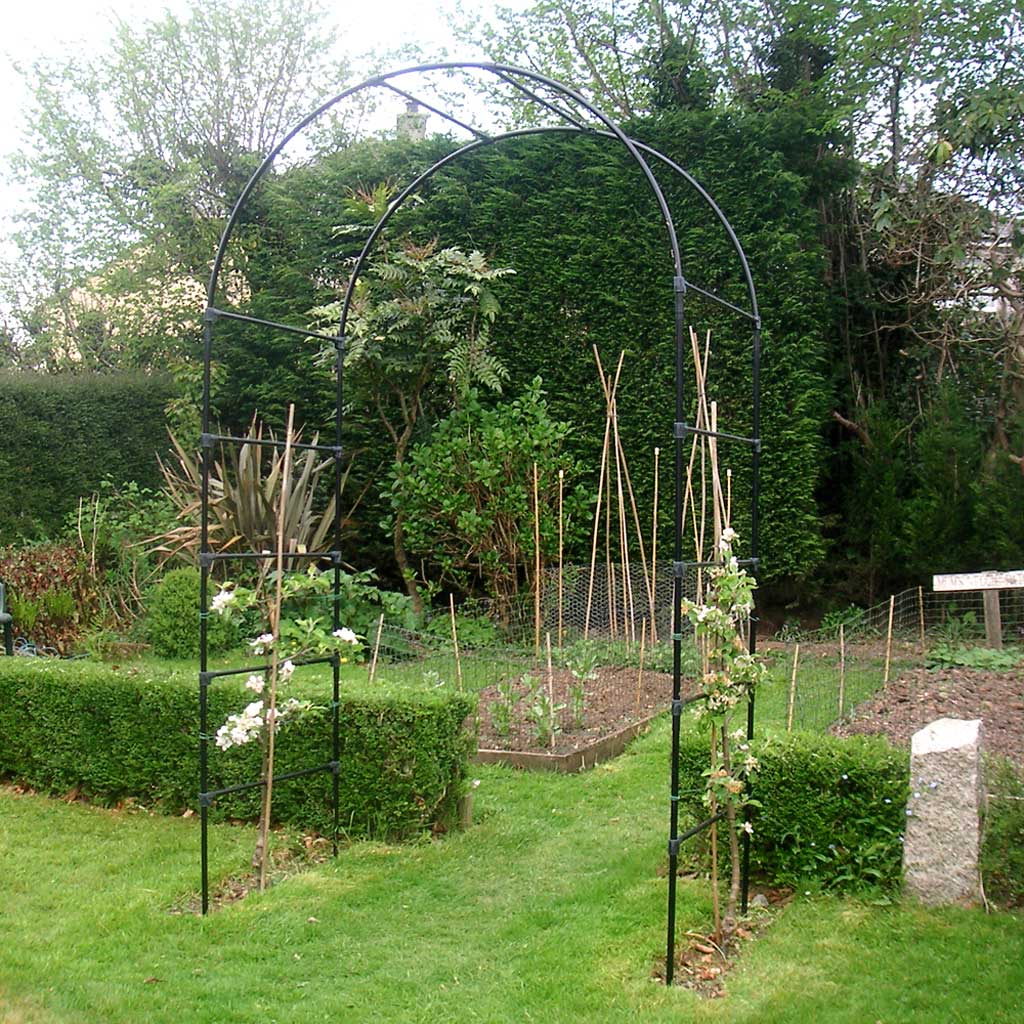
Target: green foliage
(850, 618)
(172, 618)
(829, 810)
(503, 710)
(948, 655)
(133, 156)
(467, 498)
(116, 733)
(543, 714)
(53, 593)
(1002, 845)
(64, 434)
(473, 631)
(244, 492)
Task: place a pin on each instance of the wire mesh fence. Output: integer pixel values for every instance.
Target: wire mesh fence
(817, 677)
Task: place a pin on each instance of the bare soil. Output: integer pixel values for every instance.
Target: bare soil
(919, 696)
(616, 698)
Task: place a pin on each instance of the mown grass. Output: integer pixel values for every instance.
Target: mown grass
(550, 908)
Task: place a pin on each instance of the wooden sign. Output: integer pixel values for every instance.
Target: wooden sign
(964, 581)
(988, 582)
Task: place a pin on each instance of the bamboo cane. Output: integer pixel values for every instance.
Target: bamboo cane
(376, 647)
(561, 549)
(455, 640)
(654, 548)
(842, 666)
(920, 612)
(888, 639)
(792, 689)
(551, 692)
(275, 629)
(713, 808)
(597, 507)
(637, 527)
(627, 582)
(536, 565)
(640, 673)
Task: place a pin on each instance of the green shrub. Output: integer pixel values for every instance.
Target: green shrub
(1002, 847)
(64, 433)
(172, 618)
(115, 733)
(831, 810)
(53, 593)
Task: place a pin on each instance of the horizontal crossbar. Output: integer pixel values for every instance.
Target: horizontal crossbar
(205, 677)
(209, 440)
(205, 799)
(680, 430)
(209, 557)
(213, 313)
(675, 843)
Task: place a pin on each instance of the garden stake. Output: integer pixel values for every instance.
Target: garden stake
(654, 548)
(275, 629)
(920, 611)
(888, 640)
(640, 674)
(628, 628)
(713, 808)
(536, 567)
(597, 506)
(376, 648)
(455, 639)
(792, 689)
(551, 692)
(636, 524)
(842, 666)
(561, 546)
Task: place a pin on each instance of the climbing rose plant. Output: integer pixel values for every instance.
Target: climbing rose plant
(297, 638)
(730, 675)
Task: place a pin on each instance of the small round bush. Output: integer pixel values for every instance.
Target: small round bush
(172, 618)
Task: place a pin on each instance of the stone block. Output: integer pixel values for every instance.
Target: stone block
(943, 833)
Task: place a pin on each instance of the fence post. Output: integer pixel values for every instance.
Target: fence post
(792, 689)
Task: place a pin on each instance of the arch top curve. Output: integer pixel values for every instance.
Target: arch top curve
(637, 150)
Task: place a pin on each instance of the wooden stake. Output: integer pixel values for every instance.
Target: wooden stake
(455, 641)
(636, 525)
(551, 692)
(792, 689)
(275, 629)
(561, 548)
(376, 647)
(629, 628)
(920, 612)
(640, 674)
(597, 507)
(842, 666)
(713, 808)
(888, 639)
(536, 565)
(654, 549)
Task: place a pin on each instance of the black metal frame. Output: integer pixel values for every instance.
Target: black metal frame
(555, 99)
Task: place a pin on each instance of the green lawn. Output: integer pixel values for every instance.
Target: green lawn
(550, 909)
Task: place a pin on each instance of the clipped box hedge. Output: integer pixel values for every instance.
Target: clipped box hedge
(116, 733)
(832, 810)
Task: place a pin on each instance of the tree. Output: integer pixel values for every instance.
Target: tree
(417, 339)
(132, 161)
(466, 493)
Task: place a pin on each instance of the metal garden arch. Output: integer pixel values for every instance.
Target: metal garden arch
(572, 110)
